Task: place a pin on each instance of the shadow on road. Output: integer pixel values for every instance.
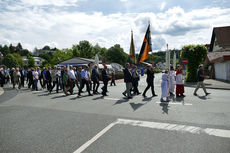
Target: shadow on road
(120, 101)
(165, 107)
(136, 106)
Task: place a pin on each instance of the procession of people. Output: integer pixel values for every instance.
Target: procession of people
(66, 78)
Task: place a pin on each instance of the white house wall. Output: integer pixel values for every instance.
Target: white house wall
(222, 70)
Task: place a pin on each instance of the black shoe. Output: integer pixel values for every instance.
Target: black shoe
(129, 97)
(90, 95)
(138, 93)
(144, 95)
(195, 94)
(182, 95)
(123, 94)
(178, 96)
(207, 93)
(154, 95)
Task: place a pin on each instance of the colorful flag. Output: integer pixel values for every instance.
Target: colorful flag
(146, 46)
(132, 54)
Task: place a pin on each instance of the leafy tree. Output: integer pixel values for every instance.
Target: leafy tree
(46, 56)
(46, 47)
(5, 50)
(85, 49)
(103, 52)
(116, 54)
(195, 55)
(10, 61)
(18, 48)
(76, 52)
(25, 52)
(61, 55)
(31, 62)
(19, 59)
(12, 49)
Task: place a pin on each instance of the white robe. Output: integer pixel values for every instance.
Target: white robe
(164, 86)
(172, 81)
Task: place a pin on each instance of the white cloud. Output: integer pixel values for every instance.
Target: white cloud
(49, 2)
(36, 27)
(163, 4)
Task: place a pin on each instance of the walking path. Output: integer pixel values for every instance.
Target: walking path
(211, 84)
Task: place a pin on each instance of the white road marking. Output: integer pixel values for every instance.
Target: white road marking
(111, 98)
(176, 127)
(1, 91)
(174, 103)
(88, 143)
(157, 125)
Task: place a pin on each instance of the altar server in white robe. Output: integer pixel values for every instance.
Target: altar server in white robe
(165, 86)
(172, 81)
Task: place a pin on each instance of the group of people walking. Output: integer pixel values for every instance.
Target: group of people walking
(173, 78)
(66, 78)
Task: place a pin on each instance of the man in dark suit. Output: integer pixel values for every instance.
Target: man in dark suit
(105, 79)
(29, 78)
(22, 72)
(128, 81)
(150, 79)
(48, 78)
(95, 79)
(2, 77)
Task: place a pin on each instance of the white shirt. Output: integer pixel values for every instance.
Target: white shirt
(71, 74)
(35, 75)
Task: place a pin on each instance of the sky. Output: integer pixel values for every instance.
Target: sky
(63, 23)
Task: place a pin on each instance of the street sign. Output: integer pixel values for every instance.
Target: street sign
(184, 61)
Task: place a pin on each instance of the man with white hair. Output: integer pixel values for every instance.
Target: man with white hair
(72, 78)
(85, 81)
(17, 76)
(54, 77)
(95, 79)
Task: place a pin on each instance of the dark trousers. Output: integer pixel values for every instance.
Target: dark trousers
(84, 82)
(112, 82)
(31, 82)
(49, 85)
(72, 85)
(40, 80)
(54, 83)
(135, 86)
(22, 81)
(104, 88)
(95, 86)
(150, 84)
(2, 81)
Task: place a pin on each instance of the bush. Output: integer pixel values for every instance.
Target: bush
(195, 55)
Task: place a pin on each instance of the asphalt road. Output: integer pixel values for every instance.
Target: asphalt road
(35, 121)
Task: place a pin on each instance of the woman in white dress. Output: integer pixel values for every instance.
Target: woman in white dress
(165, 86)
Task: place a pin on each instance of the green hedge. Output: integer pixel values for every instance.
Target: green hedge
(195, 54)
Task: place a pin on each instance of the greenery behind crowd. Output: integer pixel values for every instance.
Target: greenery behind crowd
(13, 54)
(115, 54)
